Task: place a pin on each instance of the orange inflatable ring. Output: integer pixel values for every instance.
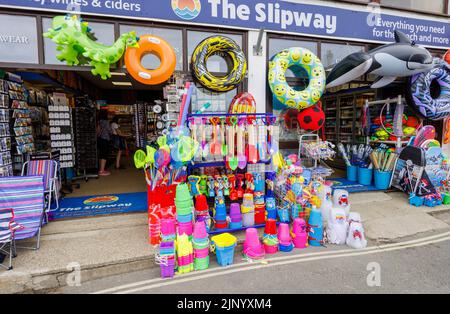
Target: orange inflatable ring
(150, 44)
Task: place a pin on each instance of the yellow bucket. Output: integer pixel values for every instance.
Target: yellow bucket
(224, 240)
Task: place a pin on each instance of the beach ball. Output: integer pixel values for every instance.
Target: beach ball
(311, 119)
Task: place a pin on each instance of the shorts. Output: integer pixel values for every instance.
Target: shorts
(103, 148)
(119, 142)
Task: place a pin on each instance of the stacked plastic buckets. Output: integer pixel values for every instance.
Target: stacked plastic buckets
(221, 213)
(200, 244)
(167, 248)
(248, 211)
(270, 239)
(299, 233)
(224, 244)
(185, 209)
(253, 249)
(316, 228)
(260, 208)
(201, 206)
(235, 216)
(259, 199)
(284, 237)
(271, 208)
(185, 254)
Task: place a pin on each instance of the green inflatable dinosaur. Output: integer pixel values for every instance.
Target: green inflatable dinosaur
(77, 45)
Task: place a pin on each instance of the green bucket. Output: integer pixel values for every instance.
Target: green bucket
(446, 199)
(201, 263)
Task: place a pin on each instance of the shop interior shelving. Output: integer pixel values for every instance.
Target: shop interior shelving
(343, 117)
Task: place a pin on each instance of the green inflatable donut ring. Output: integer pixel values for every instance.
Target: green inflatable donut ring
(299, 58)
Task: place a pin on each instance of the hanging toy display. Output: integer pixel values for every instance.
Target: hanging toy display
(297, 58)
(311, 119)
(150, 44)
(227, 47)
(421, 99)
(75, 42)
(400, 59)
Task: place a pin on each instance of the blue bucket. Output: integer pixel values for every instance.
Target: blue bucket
(225, 255)
(236, 225)
(272, 214)
(184, 218)
(352, 173)
(283, 214)
(365, 176)
(382, 180)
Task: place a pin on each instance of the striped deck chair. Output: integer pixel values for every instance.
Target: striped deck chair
(8, 227)
(49, 170)
(25, 196)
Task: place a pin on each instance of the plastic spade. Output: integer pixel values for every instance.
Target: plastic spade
(232, 160)
(242, 159)
(252, 150)
(224, 144)
(215, 147)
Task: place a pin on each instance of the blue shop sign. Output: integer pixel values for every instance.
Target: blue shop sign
(315, 20)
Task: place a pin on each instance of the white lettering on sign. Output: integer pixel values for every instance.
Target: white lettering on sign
(273, 13)
(10, 39)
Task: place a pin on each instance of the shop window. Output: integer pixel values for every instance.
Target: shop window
(18, 39)
(219, 102)
(334, 53)
(435, 6)
(216, 64)
(104, 33)
(173, 36)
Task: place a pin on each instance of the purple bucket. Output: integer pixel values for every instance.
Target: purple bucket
(168, 271)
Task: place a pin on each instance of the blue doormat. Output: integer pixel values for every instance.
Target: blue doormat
(78, 207)
(352, 187)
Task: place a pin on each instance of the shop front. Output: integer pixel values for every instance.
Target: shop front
(239, 121)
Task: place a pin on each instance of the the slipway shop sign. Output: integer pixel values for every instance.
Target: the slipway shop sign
(281, 16)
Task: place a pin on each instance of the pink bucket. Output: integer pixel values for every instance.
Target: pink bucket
(300, 242)
(185, 228)
(167, 227)
(202, 253)
(185, 260)
(271, 249)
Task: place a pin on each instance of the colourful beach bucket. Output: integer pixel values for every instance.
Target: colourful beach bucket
(382, 180)
(365, 176)
(352, 173)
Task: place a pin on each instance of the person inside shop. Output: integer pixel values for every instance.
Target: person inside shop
(104, 132)
(118, 141)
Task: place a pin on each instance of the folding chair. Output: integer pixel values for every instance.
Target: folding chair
(7, 228)
(25, 195)
(49, 170)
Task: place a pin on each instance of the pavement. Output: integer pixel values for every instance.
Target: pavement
(379, 269)
(115, 245)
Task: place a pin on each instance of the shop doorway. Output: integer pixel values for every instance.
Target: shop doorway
(140, 113)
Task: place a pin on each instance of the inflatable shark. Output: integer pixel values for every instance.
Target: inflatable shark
(400, 59)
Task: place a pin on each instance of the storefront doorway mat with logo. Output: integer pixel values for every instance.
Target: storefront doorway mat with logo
(79, 207)
(352, 187)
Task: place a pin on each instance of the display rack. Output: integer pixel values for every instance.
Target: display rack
(21, 125)
(38, 104)
(6, 169)
(61, 129)
(257, 120)
(140, 125)
(85, 140)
